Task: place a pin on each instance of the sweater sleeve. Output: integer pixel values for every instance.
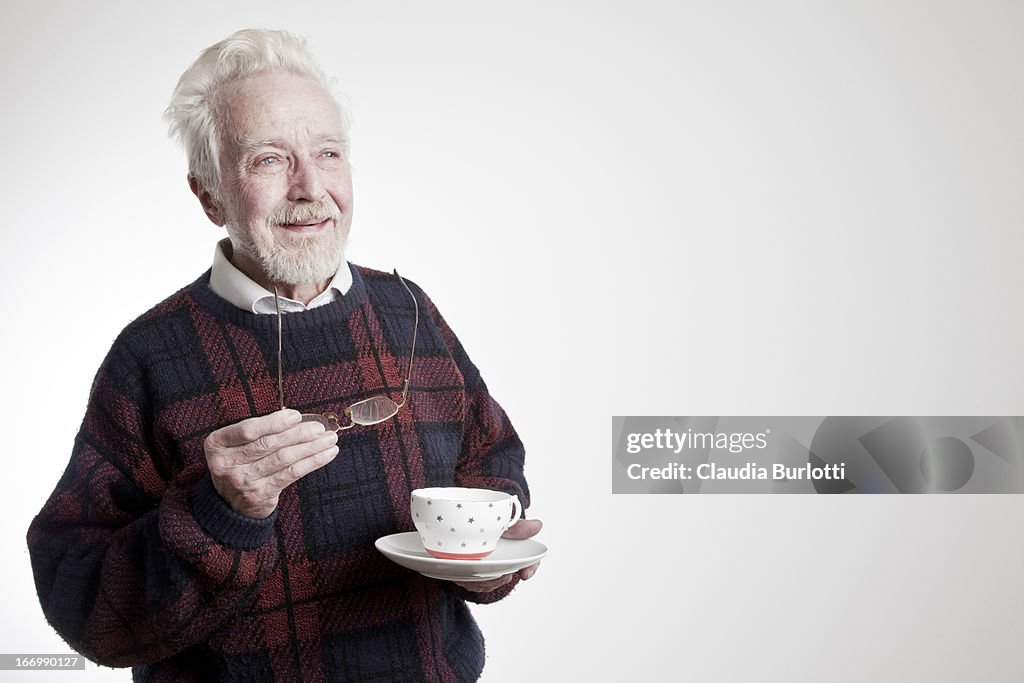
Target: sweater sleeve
(492, 455)
(131, 564)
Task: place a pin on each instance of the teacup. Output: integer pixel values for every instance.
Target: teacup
(462, 524)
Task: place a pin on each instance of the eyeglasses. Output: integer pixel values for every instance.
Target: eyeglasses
(369, 411)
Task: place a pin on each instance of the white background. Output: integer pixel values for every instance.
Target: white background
(683, 208)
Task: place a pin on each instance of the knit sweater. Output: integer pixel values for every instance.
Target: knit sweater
(139, 562)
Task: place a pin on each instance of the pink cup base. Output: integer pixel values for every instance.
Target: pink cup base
(458, 556)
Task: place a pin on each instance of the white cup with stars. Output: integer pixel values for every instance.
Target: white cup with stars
(460, 523)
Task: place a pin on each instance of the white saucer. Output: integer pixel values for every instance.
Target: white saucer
(509, 556)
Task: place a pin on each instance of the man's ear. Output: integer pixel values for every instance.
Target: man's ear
(210, 205)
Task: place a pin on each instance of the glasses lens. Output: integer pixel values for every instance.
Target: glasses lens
(373, 410)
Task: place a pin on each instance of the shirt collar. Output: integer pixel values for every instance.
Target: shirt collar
(238, 289)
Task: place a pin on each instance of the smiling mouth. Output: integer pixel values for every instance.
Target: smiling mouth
(312, 225)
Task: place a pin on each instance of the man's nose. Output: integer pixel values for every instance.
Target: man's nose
(305, 183)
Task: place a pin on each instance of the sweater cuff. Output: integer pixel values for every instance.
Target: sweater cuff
(226, 526)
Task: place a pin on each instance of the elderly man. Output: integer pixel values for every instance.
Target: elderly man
(204, 531)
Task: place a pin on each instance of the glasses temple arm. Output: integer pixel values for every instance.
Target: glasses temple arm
(415, 327)
(280, 380)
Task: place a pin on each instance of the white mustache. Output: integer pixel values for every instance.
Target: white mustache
(301, 213)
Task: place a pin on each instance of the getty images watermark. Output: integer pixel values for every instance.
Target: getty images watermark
(663, 439)
(817, 455)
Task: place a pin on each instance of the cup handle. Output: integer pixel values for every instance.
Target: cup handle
(517, 511)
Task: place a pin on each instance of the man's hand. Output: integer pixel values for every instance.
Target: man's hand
(252, 461)
(524, 528)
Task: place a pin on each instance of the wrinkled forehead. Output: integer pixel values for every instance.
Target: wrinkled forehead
(276, 106)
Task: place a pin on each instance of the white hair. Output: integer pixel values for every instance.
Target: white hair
(192, 116)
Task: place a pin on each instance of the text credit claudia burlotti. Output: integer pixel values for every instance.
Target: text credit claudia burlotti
(667, 440)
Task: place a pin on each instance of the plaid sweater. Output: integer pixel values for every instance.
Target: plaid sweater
(138, 562)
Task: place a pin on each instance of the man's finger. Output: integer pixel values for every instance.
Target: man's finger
(524, 528)
(272, 444)
(484, 586)
(284, 457)
(297, 470)
(253, 428)
(528, 572)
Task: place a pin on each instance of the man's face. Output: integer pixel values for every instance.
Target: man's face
(286, 186)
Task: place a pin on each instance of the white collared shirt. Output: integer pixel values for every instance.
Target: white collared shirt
(238, 289)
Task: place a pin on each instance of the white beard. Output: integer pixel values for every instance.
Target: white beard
(308, 259)
(316, 258)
